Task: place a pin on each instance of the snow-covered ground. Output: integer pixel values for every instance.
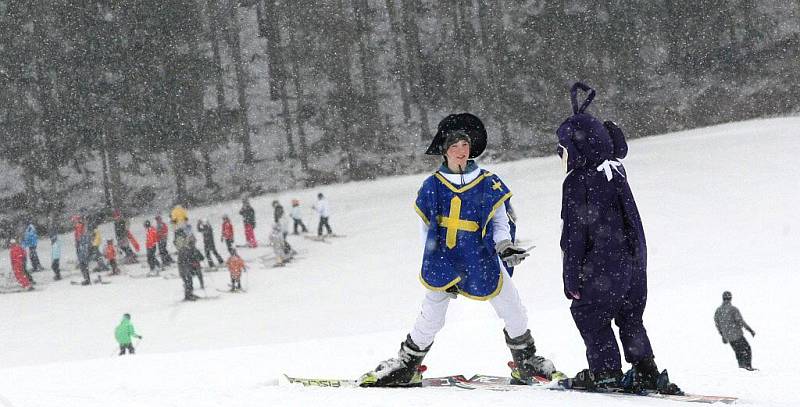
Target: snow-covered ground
(719, 208)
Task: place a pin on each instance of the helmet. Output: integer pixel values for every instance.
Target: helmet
(726, 296)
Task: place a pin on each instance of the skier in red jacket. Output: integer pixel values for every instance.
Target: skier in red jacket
(163, 233)
(151, 244)
(227, 233)
(17, 254)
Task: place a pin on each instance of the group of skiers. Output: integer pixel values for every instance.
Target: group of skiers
(88, 245)
(469, 229)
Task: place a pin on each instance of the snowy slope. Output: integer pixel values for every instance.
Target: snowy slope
(718, 207)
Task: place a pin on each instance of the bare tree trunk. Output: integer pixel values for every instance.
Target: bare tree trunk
(208, 168)
(180, 179)
(114, 176)
(287, 121)
(498, 77)
(302, 154)
(400, 63)
(269, 28)
(109, 197)
(413, 59)
(213, 38)
(241, 81)
(367, 61)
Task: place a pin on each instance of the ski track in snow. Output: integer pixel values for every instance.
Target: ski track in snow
(719, 210)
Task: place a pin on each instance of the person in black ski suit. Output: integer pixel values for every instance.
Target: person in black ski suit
(729, 324)
(208, 241)
(184, 243)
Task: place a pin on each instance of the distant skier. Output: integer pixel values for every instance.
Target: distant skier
(55, 256)
(323, 210)
(79, 229)
(208, 242)
(163, 234)
(124, 333)
(151, 243)
(729, 324)
(468, 250)
(111, 256)
(183, 241)
(30, 241)
(277, 238)
(83, 247)
(121, 232)
(227, 233)
(95, 252)
(196, 261)
(17, 255)
(249, 219)
(604, 254)
(236, 267)
(297, 216)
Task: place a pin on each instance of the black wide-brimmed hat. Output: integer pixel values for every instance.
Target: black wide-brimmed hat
(464, 122)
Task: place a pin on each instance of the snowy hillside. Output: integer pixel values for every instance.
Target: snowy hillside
(719, 209)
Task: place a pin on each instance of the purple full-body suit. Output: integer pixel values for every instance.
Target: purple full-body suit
(603, 243)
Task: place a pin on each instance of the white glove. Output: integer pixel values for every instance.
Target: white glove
(511, 254)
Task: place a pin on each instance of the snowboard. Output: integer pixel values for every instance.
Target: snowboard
(500, 383)
(446, 381)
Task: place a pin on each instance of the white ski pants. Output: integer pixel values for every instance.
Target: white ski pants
(507, 305)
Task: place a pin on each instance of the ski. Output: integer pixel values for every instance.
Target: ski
(94, 282)
(446, 381)
(317, 239)
(500, 383)
(229, 291)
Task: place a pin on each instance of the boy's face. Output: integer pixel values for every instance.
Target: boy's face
(457, 154)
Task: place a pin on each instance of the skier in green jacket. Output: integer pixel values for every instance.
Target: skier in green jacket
(124, 333)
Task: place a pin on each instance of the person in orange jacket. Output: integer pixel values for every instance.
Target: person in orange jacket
(236, 266)
(18, 255)
(227, 233)
(163, 233)
(151, 244)
(111, 256)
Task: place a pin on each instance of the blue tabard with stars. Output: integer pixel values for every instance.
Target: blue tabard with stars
(459, 249)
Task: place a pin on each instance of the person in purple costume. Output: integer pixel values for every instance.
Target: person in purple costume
(604, 254)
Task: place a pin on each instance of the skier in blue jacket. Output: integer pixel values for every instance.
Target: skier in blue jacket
(30, 241)
(604, 253)
(469, 250)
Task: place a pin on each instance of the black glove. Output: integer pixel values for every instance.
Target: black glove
(139, 336)
(752, 333)
(724, 341)
(511, 254)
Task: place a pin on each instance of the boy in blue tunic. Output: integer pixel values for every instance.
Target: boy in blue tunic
(468, 229)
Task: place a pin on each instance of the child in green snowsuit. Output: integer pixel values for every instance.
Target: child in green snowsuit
(124, 333)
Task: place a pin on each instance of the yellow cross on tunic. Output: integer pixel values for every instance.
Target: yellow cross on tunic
(453, 223)
(497, 185)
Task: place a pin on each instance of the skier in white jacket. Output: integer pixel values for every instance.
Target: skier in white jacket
(324, 212)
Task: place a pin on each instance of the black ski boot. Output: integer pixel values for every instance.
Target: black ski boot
(644, 377)
(601, 382)
(526, 363)
(403, 371)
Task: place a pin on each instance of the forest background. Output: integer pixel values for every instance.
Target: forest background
(141, 104)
